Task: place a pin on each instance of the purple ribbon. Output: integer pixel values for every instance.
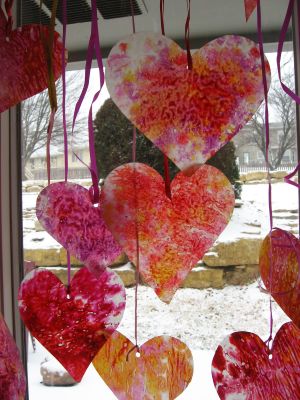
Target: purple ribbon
(94, 45)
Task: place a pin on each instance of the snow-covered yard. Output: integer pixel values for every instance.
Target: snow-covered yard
(200, 318)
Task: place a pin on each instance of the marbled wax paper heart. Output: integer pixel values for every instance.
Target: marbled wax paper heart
(173, 234)
(67, 213)
(162, 371)
(188, 114)
(243, 370)
(72, 327)
(12, 374)
(24, 70)
(279, 264)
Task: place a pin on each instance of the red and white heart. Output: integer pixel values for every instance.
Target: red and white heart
(72, 327)
(242, 367)
(66, 212)
(173, 235)
(188, 114)
(162, 368)
(279, 264)
(12, 374)
(24, 70)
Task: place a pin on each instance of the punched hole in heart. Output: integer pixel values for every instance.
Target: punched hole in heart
(138, 354)
(270, 356)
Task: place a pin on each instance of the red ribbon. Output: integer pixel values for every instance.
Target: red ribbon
(166, 160)
(8, 8)
(187, 37)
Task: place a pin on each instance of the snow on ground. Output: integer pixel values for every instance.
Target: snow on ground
(250, 220)
(200, 318)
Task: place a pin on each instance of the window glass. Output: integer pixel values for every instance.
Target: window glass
(222, 293)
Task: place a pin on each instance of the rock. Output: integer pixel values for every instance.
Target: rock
(241, 274)
(54, 374)
(33, 189)
(255, 176)
(38, 227)
(43, 257)
(202, 278)
(127, 274)
(243, 251)
(243, 178)
(63, 258)
(278, 174)
(121, 260)
(238, 203)
(62, 273)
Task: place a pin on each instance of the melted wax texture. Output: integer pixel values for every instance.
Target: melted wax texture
(173, 234)
(242, 370)
(72, 329)
(163, 370)
(12, 375)
(66, 212)
(24, 70)
(279, 264)
(188, 114)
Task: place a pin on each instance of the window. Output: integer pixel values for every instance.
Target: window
(246, 157)
(205, 312)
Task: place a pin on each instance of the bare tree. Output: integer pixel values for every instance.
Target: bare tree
(284, 107)
(36, 113)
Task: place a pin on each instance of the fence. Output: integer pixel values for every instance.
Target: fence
(254, 167)
(59, 173)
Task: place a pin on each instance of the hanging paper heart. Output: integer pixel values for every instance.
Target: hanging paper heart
(242, 368)
(279, 264)
(163, 369)
(23, 62)
(173, 234)
(72, 327)
(250, 6)
(188, 114)
(66, 212)
(12, 375)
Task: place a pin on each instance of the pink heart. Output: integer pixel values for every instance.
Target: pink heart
(242, 368)
(188, 114)
(23, 62)
(279, 263)
(173, 234)
(12, 374)
(67, 213)
(73, 328)
(163, 369)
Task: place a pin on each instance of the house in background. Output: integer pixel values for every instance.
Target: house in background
(250, 157)
(36, 168)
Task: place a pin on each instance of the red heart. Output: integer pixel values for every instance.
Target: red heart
(188, 114)
(173, 234)
(73, 328)
(66, 212)
(163, 369)
(12, 375)
(23, 62)
(242, 369)
(279, 264)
